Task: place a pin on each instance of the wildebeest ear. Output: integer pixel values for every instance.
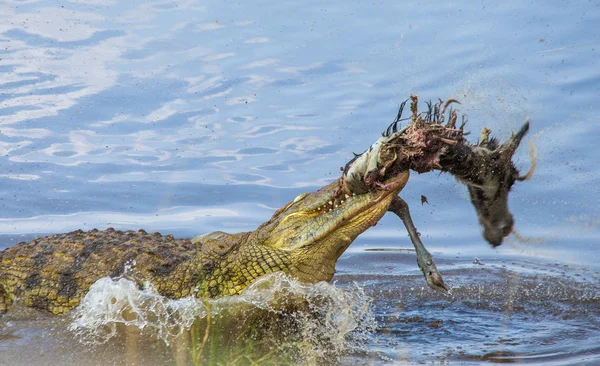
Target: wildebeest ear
(510, 146)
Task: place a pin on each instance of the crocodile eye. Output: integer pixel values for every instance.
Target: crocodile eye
(299, 197)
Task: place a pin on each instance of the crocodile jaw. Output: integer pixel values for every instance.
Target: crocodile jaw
(323, 218)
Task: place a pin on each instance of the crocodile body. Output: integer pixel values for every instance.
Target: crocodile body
(55, 272)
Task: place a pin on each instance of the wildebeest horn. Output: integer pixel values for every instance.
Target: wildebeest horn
(509, 148)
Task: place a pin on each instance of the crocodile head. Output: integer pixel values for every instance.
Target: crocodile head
(317, 227)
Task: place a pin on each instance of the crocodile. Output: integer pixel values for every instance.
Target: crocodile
(303, 239)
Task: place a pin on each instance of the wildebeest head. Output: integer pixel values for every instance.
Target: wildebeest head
(489, 180)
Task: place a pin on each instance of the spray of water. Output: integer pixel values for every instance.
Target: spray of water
(119, 301)
(308, 322)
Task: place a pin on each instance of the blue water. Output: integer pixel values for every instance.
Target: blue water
(188, 117)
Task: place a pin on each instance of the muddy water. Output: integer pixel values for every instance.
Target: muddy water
(377, 311)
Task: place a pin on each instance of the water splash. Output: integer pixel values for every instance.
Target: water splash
(307, 322)
(119, 301)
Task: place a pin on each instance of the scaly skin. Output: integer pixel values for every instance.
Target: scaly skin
(303, 239)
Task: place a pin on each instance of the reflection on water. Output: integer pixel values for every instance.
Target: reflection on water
(499, 311)
(188, 117)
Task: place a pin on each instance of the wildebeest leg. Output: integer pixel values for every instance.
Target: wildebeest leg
(424, 259)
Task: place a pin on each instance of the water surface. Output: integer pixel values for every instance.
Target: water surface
(188, 117)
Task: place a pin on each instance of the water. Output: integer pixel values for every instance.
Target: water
(192, 117)
(505, 310)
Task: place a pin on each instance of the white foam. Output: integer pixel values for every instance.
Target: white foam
(334, 321)
(110, 302)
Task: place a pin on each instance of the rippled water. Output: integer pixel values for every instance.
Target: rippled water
(508, 310)
(189, 117)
